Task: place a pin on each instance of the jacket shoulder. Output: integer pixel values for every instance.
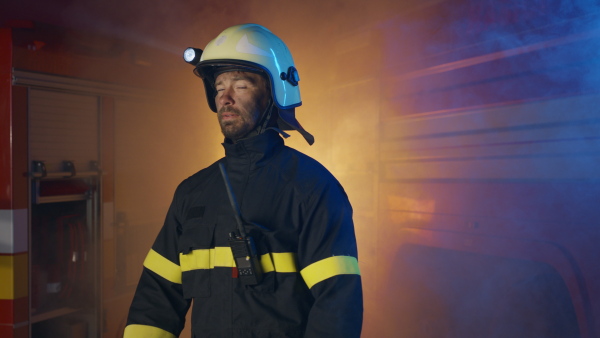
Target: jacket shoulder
(198, 179)
(308, 164)
(308, 173)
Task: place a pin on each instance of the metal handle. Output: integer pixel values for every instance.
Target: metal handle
(70, 167)
(40, 167)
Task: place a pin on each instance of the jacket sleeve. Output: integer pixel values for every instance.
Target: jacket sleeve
(328, 260)
(158, 308)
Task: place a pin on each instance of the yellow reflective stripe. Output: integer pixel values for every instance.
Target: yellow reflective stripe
(136, 331)
(206, 258)
(163, 267)
(329, 267)
(279, 261)
(266, 262)
(222, 257)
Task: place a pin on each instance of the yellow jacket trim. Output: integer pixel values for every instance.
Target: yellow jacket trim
(329, 267)
(281, 262)
(222, 257)
(163, 267)
(136, 331)
(206, 259)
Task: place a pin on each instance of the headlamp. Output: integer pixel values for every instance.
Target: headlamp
(192, 55)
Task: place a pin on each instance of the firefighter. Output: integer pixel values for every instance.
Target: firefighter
(262, 240)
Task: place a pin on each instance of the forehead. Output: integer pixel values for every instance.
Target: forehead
(237, 76)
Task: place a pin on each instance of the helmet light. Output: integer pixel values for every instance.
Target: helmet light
(192, 55)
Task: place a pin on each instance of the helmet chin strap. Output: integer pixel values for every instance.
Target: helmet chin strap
(264, 123)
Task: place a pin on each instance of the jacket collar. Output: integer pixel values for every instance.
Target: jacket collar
(253, 151)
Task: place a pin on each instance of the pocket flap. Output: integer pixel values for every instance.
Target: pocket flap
(197, 234)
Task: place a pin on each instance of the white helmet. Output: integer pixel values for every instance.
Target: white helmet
(252, 47)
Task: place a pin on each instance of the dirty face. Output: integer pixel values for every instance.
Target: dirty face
(241, 97)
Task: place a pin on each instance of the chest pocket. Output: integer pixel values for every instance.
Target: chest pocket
(197, 237)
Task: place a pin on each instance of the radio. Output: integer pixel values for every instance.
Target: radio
(246, 258)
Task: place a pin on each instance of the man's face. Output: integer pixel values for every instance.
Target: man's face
(241, 97)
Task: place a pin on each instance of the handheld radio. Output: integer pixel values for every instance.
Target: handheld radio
(242, 246)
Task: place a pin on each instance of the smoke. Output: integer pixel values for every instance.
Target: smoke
(465, 133)
(162, 25)
(492, 117)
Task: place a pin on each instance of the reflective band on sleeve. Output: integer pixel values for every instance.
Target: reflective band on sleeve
(222, 257)
(329, 267)
(136, 331)
(163, 267)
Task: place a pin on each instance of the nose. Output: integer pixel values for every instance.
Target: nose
(225, 98)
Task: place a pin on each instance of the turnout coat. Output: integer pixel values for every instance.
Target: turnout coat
(301, 221)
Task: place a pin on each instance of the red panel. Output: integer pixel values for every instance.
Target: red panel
(21, 309)
(8, 331)
(6, 312)
(14, 311)
(20, 164)
(5, 118)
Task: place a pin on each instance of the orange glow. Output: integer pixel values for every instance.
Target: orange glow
(464, 132)
(409, 210)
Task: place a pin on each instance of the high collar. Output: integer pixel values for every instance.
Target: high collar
(254, 151)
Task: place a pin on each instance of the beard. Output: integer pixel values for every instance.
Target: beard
(237, 128)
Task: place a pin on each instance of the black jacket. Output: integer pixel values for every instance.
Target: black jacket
(301, 220)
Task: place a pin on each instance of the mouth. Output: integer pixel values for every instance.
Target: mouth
(226, 116)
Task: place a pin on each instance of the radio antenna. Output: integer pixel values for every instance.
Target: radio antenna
(236, 209)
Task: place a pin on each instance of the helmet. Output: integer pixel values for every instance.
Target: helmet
(252, 47)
